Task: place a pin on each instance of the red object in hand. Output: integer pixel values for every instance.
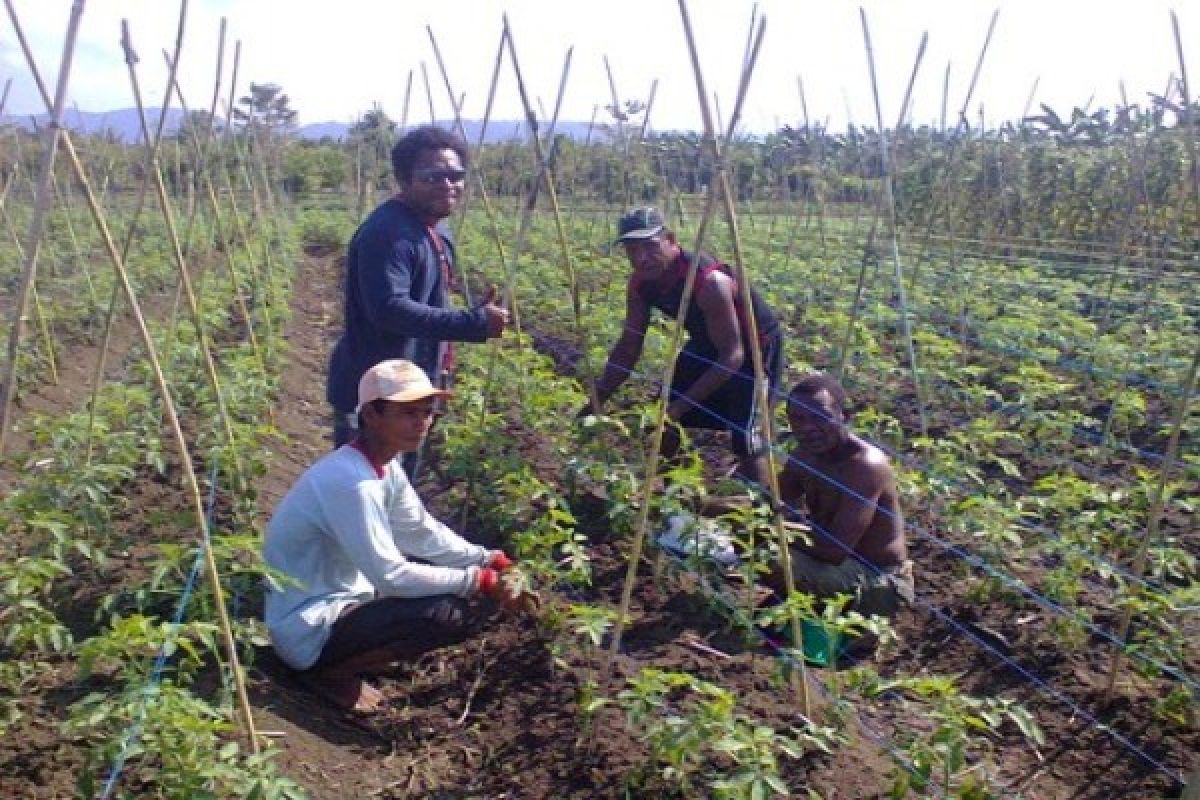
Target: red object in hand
(489, 580)
(500, 561)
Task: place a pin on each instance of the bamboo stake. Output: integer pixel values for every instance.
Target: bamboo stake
(39, 313)
(462, 131)
(762, 381)
(950, 179)
(164, 391)
(193, 207)
(407, 96)
(546, 175)
(428, 93)
(260, 291)
(509, 275)
(1029, 100)
(869, 255)
(510, 288)
(185, 281)
(228, 240)
(37, 224)
(673, 351)
(890, 203)
(649, 107)
(1156, 510)
(229, 141)
(131, 233)
(64, 199)
(818, 194)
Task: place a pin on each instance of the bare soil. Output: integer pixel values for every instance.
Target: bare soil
(497, 717)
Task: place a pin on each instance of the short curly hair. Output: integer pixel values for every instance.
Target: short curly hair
(810, 385)
(425, 137)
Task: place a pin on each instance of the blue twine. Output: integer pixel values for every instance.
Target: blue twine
(1075, 365)
(1052, 290)
(993, 405)
(972, 559)
(1040, 683)
(908, 461)
(134, 733)
(782, 654)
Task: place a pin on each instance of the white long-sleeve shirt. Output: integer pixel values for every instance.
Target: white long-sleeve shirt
(344, 535)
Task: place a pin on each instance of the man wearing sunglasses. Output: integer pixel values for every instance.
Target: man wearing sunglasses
(714, 383)
(399, 273)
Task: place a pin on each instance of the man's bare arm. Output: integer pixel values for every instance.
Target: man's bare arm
(715, 299)
(628, 349)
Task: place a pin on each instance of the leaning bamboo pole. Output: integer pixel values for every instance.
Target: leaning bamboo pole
(260, 287)
(64, 200)
(546, 175)
(869, 255)
(37, 225)
(214, 207)
(203, 339)
(40, 317)
(766, 420)
(229, 142)
(498, 240)
(456, 107)
(890, 207)
(407, 98)
(191, 483)
(428, 93)
(652, 459)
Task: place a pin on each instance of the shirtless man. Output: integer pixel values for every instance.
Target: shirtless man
(847, 487)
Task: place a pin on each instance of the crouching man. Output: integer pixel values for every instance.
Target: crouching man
(847, 488)
(367, 576)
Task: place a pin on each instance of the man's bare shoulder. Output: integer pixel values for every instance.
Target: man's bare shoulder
(873, 462)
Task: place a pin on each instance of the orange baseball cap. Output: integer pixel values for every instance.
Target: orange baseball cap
(396, 380)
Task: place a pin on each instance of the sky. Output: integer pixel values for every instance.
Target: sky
(336, 59)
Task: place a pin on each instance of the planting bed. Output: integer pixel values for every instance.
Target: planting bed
(501, 715)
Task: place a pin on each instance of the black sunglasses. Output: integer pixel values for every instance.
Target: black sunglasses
(438, 174)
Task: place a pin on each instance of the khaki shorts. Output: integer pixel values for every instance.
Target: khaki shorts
(877, 591)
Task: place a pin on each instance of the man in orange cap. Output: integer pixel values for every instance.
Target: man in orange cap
(344, 535)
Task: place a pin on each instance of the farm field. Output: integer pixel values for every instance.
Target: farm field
(1012, 606)
(1014, 312)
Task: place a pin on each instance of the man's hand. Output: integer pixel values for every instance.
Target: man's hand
(510, 589)
(514, 595)
(497, 317)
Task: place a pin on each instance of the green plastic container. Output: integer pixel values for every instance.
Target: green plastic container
(821, 647)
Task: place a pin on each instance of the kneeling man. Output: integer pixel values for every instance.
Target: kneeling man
(847, 488)
(367, 576)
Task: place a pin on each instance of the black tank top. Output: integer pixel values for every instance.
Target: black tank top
(666, 293)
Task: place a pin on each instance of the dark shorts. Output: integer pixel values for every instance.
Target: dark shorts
(733, 406)
(408, 625)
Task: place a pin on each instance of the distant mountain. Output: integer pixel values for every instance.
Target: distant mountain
(498, 130)
(123, 123)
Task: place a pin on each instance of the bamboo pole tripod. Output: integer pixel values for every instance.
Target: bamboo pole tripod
(204, 340)
(37, 224)
(191, 482)
(720, 190)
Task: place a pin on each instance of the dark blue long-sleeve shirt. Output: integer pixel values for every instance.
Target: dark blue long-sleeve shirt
(396, 302)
